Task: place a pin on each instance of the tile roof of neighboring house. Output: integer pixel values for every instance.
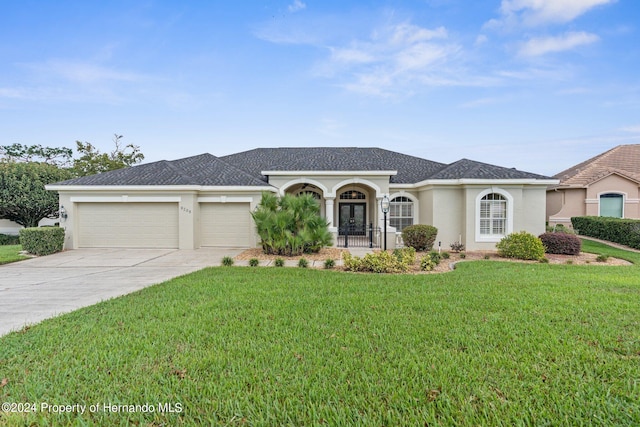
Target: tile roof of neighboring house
(623, 160)
(204, 169)
(245, 168)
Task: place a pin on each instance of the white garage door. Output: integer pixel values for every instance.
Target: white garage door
(226, 224)
(127, 225)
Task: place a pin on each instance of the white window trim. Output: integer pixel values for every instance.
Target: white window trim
(492, 238)
(416, 205)
(602, 193)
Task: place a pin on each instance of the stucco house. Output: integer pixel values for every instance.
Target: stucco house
(605, 185)
(206, 200)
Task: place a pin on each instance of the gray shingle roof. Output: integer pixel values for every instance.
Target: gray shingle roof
(470, 169)
(204, 169)
(410, 169)
(245, 168)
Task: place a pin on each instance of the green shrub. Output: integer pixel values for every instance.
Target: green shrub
(279, 262)
(227, 261)
(561, 243)
(377, 262)
(463, 255)
(329, 263)
(435, 256)
(427, 263)
(521, 245)
(254, 262)
(42, 240)
(405, 255)
(445, 255)
(602, 258)
(8, 239)
(559, 228)
(419, 236)
(303, 263)
(619, 230)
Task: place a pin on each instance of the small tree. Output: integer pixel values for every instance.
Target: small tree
(291, 225)
(23, 198)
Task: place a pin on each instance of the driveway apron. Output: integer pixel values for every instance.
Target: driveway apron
(43, 287)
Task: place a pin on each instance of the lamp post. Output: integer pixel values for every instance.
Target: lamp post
(384, 205)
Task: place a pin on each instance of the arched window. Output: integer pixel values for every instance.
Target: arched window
(353, 195)
(611, 204)
(401, 212)
(493, 215)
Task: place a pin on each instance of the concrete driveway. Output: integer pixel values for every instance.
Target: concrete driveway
(39, 288)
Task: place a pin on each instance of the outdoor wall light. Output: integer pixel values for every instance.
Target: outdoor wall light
(384, 205)
(63, 212)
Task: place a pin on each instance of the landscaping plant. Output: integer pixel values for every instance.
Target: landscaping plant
(419, 236)
(561, 243)
(291, 225)
(521, 245)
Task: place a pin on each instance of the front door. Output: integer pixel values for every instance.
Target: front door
(353, 215)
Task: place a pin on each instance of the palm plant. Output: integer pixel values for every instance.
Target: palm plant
(290, 225)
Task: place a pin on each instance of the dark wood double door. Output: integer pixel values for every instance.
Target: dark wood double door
(353, 217)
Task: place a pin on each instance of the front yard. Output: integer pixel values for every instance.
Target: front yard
(490, 343)
(11, 253)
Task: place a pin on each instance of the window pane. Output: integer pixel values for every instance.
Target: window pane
(611, 205)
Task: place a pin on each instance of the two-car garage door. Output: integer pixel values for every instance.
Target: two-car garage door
(127, 225)
(156, 225)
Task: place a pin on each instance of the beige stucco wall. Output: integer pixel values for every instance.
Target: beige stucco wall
(562, 204)
(188, 208)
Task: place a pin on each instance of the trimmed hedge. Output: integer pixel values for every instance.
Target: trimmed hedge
(419, 236)
(561, 243)
(618, 230)
(9, 239)
(42, 240)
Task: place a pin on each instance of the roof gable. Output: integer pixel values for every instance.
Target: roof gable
(623, 160)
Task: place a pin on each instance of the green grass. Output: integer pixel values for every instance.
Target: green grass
(600, 248)
(11, 253)
(491, 343)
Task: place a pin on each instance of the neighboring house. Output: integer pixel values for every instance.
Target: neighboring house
(605, 185)
(207, 201)
(13, 228)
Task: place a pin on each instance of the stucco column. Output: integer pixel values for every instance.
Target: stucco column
(328, 203)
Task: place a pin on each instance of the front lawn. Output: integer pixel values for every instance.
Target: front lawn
(491, 343)
(11, 253)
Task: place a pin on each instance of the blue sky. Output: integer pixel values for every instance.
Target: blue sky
(539, 85)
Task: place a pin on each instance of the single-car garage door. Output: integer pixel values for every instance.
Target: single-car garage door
(226, 224)
(127, 225)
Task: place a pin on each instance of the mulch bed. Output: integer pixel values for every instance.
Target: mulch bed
(446, 264)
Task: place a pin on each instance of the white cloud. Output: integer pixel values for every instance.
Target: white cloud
(392, 59)
(539, 12)
(542, 45)
(296, 6)
(631, 129)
